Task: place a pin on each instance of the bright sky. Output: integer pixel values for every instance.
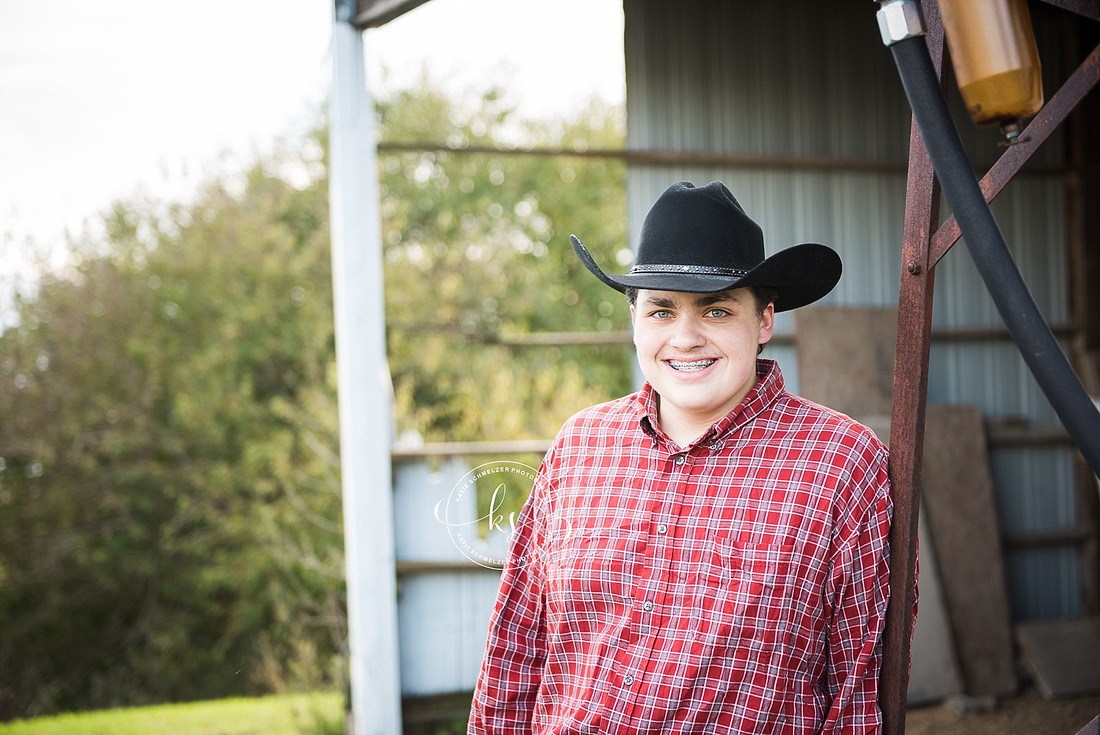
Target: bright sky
(103, 99)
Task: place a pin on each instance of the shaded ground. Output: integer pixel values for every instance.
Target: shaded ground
(1028, 714)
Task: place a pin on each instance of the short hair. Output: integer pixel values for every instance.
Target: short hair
(761, 296)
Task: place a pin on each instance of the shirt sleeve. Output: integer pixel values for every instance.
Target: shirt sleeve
(511, 673)
(859, 590)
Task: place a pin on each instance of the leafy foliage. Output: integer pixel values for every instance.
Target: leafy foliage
(476, 248)
(152, 451)
(169, 481)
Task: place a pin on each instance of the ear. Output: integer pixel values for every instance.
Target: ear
(767, 324)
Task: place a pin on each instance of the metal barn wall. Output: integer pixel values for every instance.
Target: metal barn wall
(808, 80)
(444, 601)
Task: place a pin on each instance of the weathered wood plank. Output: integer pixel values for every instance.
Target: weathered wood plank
(1063, 656)
(958, 494)
(846, 357)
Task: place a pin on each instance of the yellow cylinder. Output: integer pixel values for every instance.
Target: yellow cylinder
(996, 63)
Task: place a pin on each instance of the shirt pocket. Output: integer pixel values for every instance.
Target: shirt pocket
(743, 595)
(595, 570)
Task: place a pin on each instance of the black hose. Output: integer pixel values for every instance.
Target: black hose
(990, 253)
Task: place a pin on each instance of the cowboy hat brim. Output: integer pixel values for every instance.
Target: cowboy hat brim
(801, 275)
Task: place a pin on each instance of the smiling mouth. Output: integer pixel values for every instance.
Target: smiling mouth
(690, 366)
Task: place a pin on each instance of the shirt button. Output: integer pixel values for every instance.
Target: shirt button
(679, 459)
(662, 528)
(715, 446)
(647, 606)
(628, 680)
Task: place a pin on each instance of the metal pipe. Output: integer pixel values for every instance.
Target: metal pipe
(1053, 114)
(987, 247)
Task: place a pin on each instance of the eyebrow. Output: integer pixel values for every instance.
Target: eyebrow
(717, 298)
(700, 302)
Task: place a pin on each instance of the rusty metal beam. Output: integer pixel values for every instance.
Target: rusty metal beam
(667, 158)
(1086, 8)
(922, 201)
(1079, 84)
(684, 158)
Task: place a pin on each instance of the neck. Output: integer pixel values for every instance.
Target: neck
(684, 427)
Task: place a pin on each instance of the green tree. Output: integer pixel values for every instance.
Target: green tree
(169, 484)
(477, 247)
(156, 399)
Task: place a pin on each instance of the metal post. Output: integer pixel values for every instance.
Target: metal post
(922, 201)
(922, 248)
(365, 424)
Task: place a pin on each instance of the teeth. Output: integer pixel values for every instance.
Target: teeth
(690, 366)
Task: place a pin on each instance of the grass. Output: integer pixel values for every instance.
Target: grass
(318, 713)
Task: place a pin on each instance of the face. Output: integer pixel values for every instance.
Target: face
(698, 351)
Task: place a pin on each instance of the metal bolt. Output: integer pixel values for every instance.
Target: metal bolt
(914, 268)
(899, 20)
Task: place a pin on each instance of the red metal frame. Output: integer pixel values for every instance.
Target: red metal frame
(923, 246)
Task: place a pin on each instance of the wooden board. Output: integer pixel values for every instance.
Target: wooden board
(846, 357)
(934, 674)
(957, 489)
(1063, 656)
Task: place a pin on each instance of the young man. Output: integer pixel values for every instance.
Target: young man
(708, 555)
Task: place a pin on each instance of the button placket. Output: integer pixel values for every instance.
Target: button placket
(638, 642)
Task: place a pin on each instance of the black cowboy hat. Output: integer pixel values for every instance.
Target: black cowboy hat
(699, 240)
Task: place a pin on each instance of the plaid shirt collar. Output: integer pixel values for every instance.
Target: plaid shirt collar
(769, 386)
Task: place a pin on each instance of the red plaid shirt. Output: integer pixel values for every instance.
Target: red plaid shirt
(738, 585)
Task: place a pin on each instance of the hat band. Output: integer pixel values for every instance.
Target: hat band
(704, 270)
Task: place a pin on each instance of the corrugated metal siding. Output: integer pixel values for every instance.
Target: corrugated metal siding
(751, 77)
(812, 79)
(442, 616)
(444, 619)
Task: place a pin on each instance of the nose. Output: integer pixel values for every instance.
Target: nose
(687, 334)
